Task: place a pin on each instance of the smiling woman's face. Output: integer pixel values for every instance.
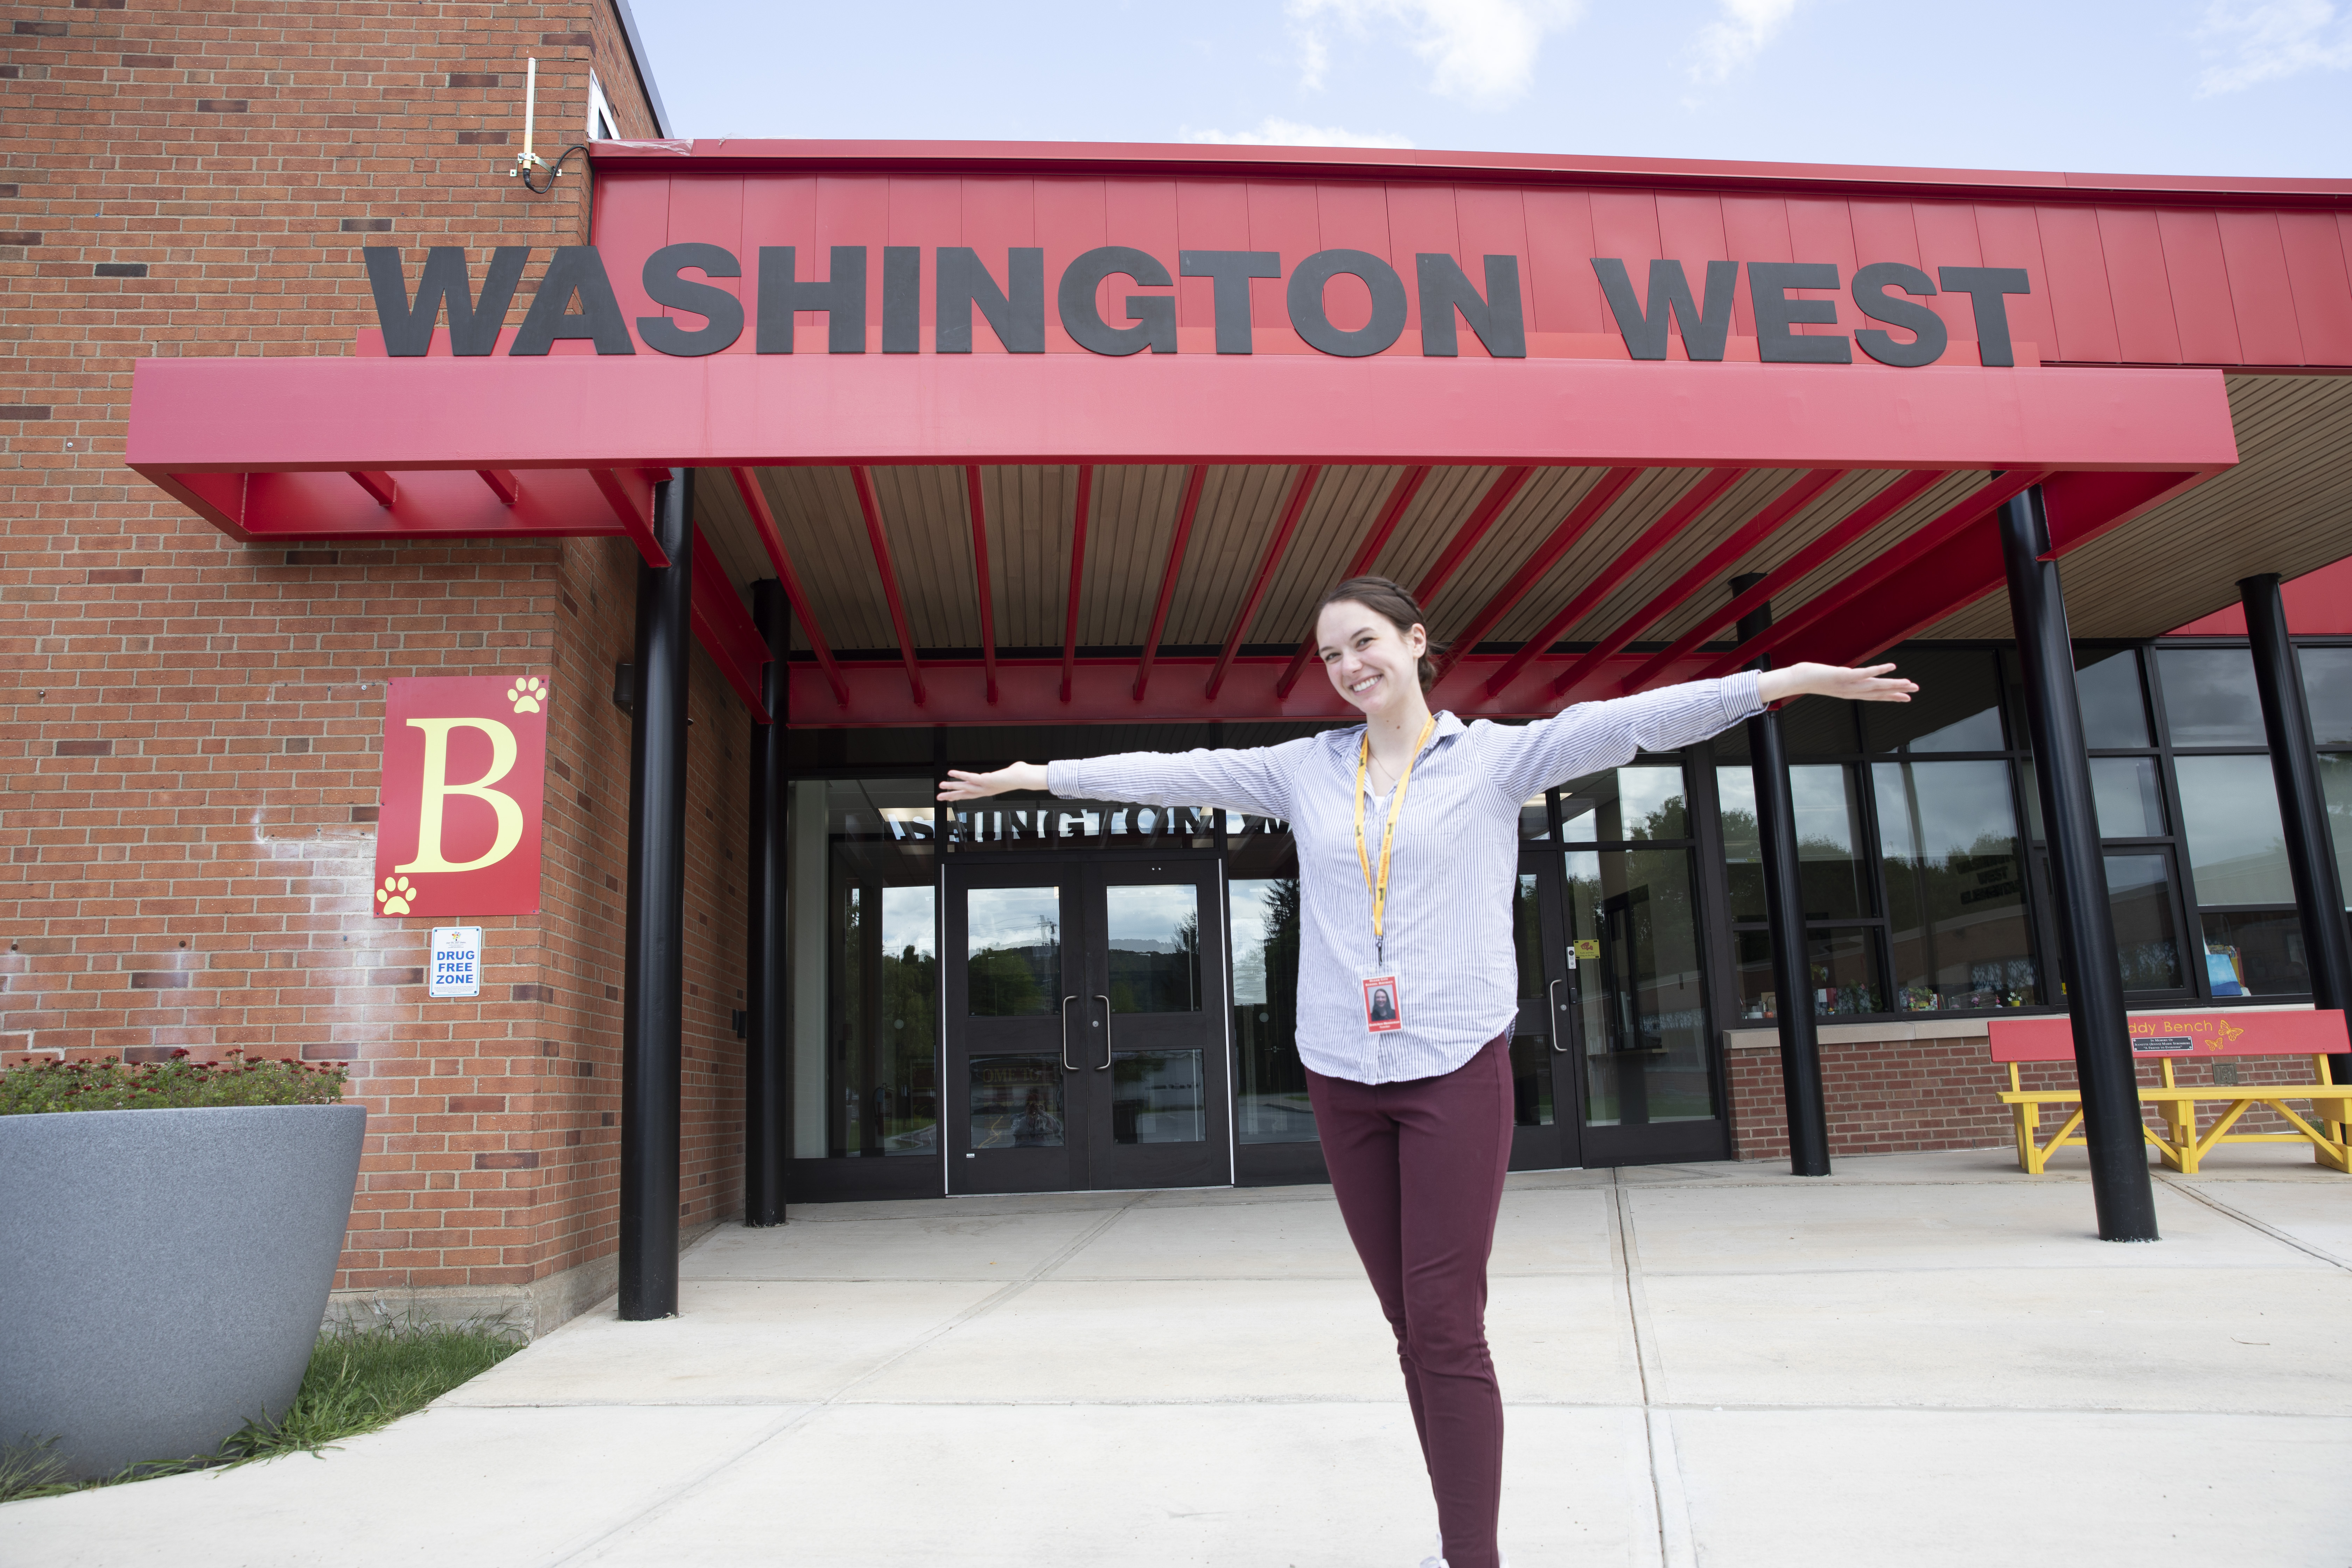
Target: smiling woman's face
(1371, 663)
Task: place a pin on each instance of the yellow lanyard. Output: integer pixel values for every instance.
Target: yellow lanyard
(1380, 888)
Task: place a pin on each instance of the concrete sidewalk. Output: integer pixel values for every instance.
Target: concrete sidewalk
(1921, 1359)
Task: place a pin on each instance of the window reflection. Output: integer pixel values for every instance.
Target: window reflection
(882, 991)
(2208, 696)
(1013, 951)
(1154, 933)
(2335, 785)
(1261, 908)
(2257, 952)
(1833, 881)
(2147, 944)
(2327, 693)
(2126, 796)
(1645, 1019)
(1157, 1097)
(1644, 801)
(1954, 887)
(2229, 816)
(1531, 1048)
(1016, 1102)
(1958, 708)
(2107, 688)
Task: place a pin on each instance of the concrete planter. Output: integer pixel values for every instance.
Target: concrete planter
(165, 1271)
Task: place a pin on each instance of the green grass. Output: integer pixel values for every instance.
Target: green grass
(359, 1380)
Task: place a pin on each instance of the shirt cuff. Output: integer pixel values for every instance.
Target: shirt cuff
(1062, 778)
(1739, 698)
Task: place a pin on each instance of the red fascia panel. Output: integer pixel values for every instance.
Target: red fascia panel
(727, 410)
(323, 503)
(747, 485)
(2318, 604)
(1408, 486)
(867, 504)
(1099, 160)
(727, 632)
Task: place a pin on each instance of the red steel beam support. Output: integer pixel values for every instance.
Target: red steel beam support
(1192, 504)
(980, 576)
(863, 480)
(502, 483)
(1077, 570)
(1856, 524)
(1655, 538)
(1401, 496)
(726, 631)
(1792, 500)
(380, 485)
(1596, 500)
(1292, 511)
(1861, 585)
(1474, 529)
(635, 510)
(755, 501)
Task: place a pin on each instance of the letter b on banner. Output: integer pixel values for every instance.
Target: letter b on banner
(465, 762)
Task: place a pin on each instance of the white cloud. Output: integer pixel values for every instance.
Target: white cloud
(2271, 39)
(1483, 51)
(1274, 133)
(1738, 36)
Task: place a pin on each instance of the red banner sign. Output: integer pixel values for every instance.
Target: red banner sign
(464, 766)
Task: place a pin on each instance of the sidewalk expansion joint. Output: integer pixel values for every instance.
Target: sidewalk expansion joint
(2217, 1206)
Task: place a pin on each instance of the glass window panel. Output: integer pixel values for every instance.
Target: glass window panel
(1955, 886)
(2115, 705)
(1834, 878)
(1535, 819)
(2229, 815)
(1845, 978)
(1527, 934)
(1263, 917)
(1012, 821)
(1016, 1102)
(1157, 1097)
(2328, 692)
(1958, 708)
(2148, 945)
(2258, 952)
(1810, 727)
(1644, 1019)
(1751, 960)
(881, 995)
(1626, 804)
(2129, 802)
(2208, 696)
(1154, 935)
(2336, 784)
(1013, 949)
(1743, 842)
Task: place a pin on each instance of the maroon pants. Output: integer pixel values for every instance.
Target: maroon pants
(1418, 1170)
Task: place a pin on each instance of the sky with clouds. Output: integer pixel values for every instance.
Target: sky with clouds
(2213, 87)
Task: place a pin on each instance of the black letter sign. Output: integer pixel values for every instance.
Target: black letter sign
(843, 299)
(1306, 314)
(1233, 269)
(1496, 319)
(1870, 298)
(1644, 330)
(473, 329)
(902, 306)
(721, 309)
(1768, 283)
(576, 270)
(1984, 286)
(1017, 310)
(1156, 312)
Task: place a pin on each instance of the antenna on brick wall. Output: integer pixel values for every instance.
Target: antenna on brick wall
(527, 159)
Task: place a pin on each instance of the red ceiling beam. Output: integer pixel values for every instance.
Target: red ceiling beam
(864, 479)
(1077, 570)
(1581, 518)
(1859, 521)
(980, 576)
(1792, 500)
(1184, 512)
(502, 483)
(1401, 496)
(755, 501)
(726, 630)
(1292, 511)
(1857, 587)
(631, 495)
(379, 485)
(1474, 529)
(1655, 538)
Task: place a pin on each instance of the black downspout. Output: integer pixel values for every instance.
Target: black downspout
(766, 1121)
(2120, 1188)
(2302, 810)
(1784, 904)
(653, 971)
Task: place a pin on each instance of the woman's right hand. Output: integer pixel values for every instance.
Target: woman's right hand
(962, 786)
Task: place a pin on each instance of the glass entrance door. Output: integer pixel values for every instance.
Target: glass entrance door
(1544, 1047)
(1084, 1026)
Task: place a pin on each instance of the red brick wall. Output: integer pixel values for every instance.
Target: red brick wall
(189, 730)
(1906, 1096)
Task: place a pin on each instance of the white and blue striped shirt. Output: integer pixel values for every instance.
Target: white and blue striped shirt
(1456, 864)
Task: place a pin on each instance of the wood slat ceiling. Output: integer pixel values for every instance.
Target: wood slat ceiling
(2285, 508)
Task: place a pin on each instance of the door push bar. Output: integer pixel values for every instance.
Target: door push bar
(1067, 1066)
(1104, 1066)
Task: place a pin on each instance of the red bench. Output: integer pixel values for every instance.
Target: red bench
(2174, 1037)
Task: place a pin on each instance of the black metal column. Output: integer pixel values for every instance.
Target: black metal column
(766, 1123)
(2302, 810)
(1784, 902)
(2120, 1188)
(654, 968)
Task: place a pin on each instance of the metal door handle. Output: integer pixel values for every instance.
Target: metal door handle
(1067, 1066)
(1105, 1065)
(1559, 1029)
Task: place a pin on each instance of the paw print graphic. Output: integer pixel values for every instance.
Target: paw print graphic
(396, 895)
(529, 695)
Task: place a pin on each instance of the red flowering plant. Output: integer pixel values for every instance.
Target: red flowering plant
(179, 1083)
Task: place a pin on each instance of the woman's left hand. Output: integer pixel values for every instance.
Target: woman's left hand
(1873, 684)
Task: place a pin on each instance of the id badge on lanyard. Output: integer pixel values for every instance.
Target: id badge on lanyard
(1383, 996)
